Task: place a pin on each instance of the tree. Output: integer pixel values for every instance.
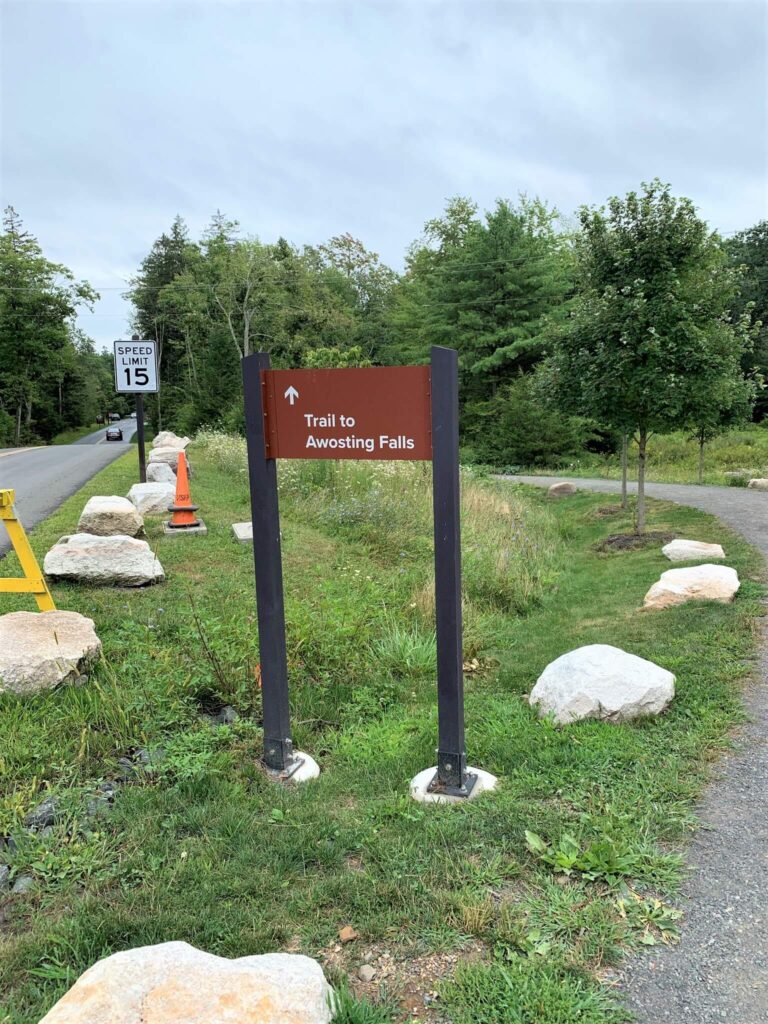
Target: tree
(488, 287)
(749, 251)
(168, 259)
(38, 301)
(650, 325)
(724, 397)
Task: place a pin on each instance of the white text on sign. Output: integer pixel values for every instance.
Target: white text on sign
(330, 421)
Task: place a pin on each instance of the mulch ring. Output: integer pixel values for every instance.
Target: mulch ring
(633, 541)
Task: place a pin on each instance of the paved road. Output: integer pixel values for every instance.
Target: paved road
(719, 972)
(44, 477)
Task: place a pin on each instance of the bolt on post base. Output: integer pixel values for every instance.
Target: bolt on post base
(284, 764)
(427, 789)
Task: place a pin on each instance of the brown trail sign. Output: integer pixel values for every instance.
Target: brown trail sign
(399, 412)
(380, 412)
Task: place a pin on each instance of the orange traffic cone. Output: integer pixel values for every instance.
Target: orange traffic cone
(183, 517)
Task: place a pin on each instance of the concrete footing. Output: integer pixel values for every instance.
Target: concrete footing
(177, 531)
(243, 532)
(306, 771)
(420, 783)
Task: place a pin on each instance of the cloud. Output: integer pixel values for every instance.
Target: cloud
(307, 119)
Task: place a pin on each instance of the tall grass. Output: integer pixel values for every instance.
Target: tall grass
(674, 458)
(510, 546)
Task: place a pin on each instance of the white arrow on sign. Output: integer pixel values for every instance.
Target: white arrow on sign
(291, 394)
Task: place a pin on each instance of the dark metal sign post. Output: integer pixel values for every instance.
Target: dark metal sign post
(308, 414)
(268, 567)
(451, 778)
(140, 438)
(136, 374)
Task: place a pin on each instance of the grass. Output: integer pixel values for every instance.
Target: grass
(674, 458)
(75, 433)
(202, 847)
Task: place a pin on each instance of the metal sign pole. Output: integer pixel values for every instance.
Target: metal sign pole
(267, 558)
(452, 778)
(140, 432)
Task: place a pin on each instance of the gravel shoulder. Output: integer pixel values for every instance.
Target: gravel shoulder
(719, 971)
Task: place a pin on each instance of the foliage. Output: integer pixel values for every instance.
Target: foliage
(748, 251)
(516, 427)
(733, 458)
(650, 328)
(210, 303)
(51, 377)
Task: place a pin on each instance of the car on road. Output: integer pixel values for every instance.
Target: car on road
(113, 416)
(133, 415)
(114, 434)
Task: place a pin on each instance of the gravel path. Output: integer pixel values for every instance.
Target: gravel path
(719, 971)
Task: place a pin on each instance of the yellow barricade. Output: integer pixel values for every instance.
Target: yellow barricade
(33, 581)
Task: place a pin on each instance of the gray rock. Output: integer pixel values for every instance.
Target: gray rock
(562, 490)
(113, 561)
(110, 516)
(681, 550)
(226, 716)
(41, 650)
(698, 583)
(160, 473)
(186, 984)
(148, 757)
(5, 878)
(366, 973)
(22, 885)
(168, 439)
(99, 806)
(600, 681)
(153, 499)
(46, 813)
(126, 766)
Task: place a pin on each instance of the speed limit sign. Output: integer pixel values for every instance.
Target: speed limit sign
(135, 367)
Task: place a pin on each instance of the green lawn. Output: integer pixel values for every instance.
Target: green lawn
(674, 458)
(75, 433)
(205, 848)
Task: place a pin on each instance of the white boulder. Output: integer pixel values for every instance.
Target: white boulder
(174, 983)
(600, 681)
(160, 473)
(152, 499)
(41, 650)
(561, 490)
(758, 484)
(120, 561)
(691, 551)
(167, 439)
(698, 583)
(170, 456)
(111, 515)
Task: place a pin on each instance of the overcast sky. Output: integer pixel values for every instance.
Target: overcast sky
(312, 118)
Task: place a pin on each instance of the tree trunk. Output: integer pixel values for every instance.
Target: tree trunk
(624, 446)
(701, 459)
(641, 447)
(18, 424)
(60, 398)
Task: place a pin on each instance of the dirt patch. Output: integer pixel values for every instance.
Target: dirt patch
(633, 541)
(412, 983)
(608, 512)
